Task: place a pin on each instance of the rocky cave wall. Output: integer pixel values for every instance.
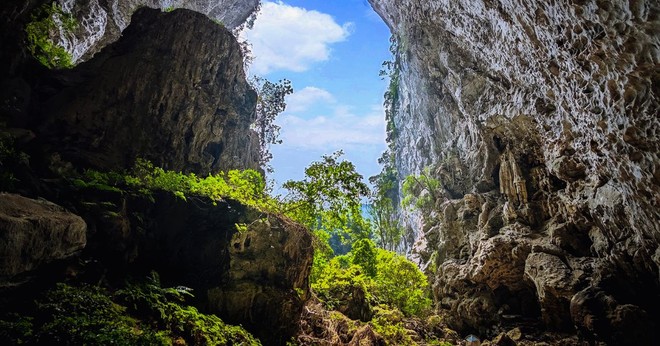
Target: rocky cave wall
(102, 21)
(148, 96)
(172, 90)
(541, 120)
(145, 95)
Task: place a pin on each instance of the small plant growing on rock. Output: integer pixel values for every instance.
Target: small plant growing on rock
(141, 313)
(44, 25)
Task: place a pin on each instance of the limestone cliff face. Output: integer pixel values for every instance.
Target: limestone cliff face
(161, 92)
(102, 21)
(541, 120)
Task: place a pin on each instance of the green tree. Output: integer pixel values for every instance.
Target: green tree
(270, 103)
(364, 255)
(400, 283)
(328, 201)
(421, 191)
(387, 226)
(330, 198)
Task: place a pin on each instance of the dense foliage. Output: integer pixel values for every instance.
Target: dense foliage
(246, 186)
(139, 314)
(368, 283)
(46, 22)
(384, 277)
(329, 198)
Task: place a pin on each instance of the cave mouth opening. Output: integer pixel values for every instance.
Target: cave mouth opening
(333, 53)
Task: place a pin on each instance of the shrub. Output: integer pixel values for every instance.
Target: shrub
(400, 283)
(338, 287)
(389, 324)
(85, 315)
(139, 314)
(364, 255)
(45, 23)
(391, 280)
(165, 308)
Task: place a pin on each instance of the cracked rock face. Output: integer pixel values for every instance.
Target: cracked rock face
(548, 114)
(101, 22)
(148, 96)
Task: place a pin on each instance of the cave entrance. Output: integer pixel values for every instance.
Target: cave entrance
(332, 52)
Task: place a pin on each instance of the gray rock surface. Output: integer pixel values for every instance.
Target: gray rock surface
(267, 281)
(34, 233)
(160, 93)
(544, 115)
(102, 21)
(256, 277)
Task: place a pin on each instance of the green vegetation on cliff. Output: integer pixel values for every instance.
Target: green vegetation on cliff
(246, 186)
(391, 69)
(44, 25)
(421, 191)
(270, 103)
(368, 283)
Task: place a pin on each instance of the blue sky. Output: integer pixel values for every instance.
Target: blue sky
(332, 52)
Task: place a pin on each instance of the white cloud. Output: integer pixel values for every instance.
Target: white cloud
(302, 100)
(341, 130)
(291, 38)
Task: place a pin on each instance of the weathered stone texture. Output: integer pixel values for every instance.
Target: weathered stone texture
(256, 278)
(548, 114)
(102, 21)
(162, 93)
(34, 233)
(267, 281)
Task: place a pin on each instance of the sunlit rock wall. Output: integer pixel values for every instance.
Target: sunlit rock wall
(102, 21)
(541, 120)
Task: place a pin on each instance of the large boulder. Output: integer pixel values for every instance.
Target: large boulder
(34, 233)
(246, 266)
(267, 282)
(162, 93)
(249, 267)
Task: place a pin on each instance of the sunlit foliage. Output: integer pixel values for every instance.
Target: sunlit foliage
(46, 21)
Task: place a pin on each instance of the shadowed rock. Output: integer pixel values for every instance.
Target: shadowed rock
(171, 90)
(34, 233)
